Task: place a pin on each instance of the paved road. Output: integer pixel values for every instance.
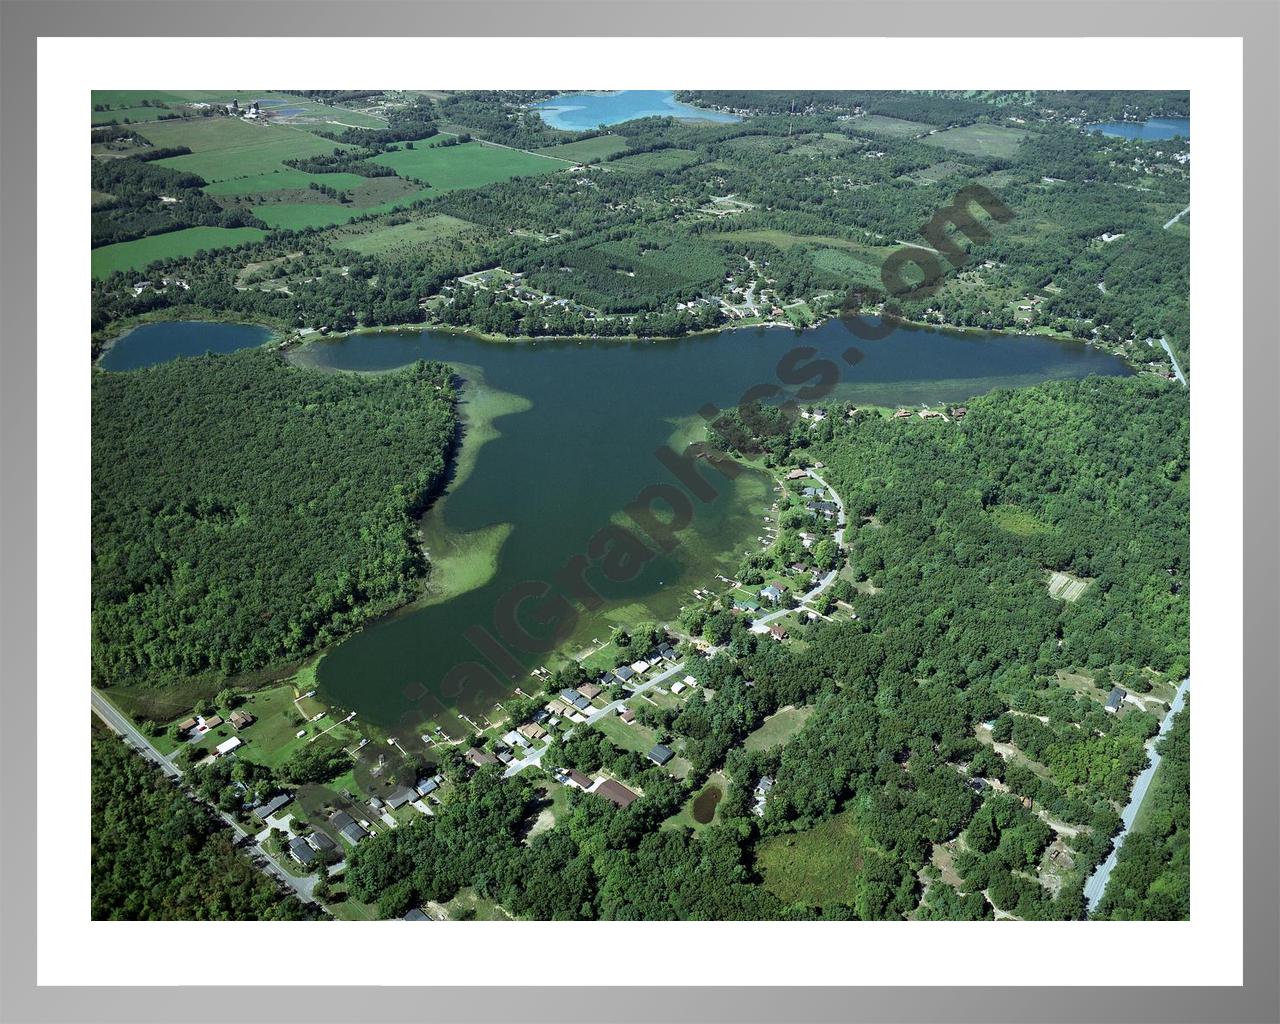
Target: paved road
(118, 722)
(1177, 370)
(1097, 883)
(1175, 218)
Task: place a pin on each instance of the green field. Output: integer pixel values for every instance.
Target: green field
(853, 269)
(980, 140)
(224, 147)
(391, 237)
(818, 867)
(1018, 520)
(656, 160)
(588, 150)
(635, 736)
(894, 127)
(469, 165)
(142, 252)
(294, 216)
(777, 729)
(281, 180)
(132, 114)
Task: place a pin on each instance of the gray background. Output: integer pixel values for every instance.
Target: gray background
(1257, 22)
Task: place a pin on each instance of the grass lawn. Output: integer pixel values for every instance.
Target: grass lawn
(635, 737)
(777, 729)
(980, 140)
(684, 818)
(818, 867)
(142, 252)
(225, 147)
(852, 267)
(468, 905)
(588, 150)
(469, 165)
(1019, 521)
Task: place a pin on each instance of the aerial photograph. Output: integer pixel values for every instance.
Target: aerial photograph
(681, 505)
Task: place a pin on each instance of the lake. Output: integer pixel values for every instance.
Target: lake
(149, 344)
(581, 111)
(1155, 129)
(561, 437)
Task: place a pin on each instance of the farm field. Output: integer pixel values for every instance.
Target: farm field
(991, 140)
(142, 252)
(281, 180)
(469, 165)
(1066, 587)
(295, 216)
(894, 127)
(588, 150)
(658, 160)
(131, 114)
(819, 867)
(224, 147)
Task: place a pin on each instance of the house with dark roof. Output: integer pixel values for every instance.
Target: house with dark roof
(348, 827)
(476, 756)
(301, 851)
(1114, 699)
(624, 673)
(823, 508)
(265, 811)
(576, 778)
(400, 797)
(320, 842)
(660, 754)
(415, 915)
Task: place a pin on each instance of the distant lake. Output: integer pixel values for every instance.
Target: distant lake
(576, 443)
(1153, 130)
(150, 344)
(581, 111)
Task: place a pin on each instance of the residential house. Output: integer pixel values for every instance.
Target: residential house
(779, 633)
(320, 842)
(615, 792)
(797, 474)
(640, 667)
(226, 746)
(477, 757)
(186, 725)
(212, 722)
(576, 778)
(627, 715)
(240, 719)
(1114, 699)
(426, 787)
(415, 915)
(589, 690)
(400, 797)
(771, 594)
(350, 829)
(301, 851)
(660, 754)
(264, 811)
(762, 794)
(532, 731)
(625, 673)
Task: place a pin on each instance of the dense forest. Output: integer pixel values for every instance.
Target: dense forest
(247, 511)
(955, 528)
(158, 855)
